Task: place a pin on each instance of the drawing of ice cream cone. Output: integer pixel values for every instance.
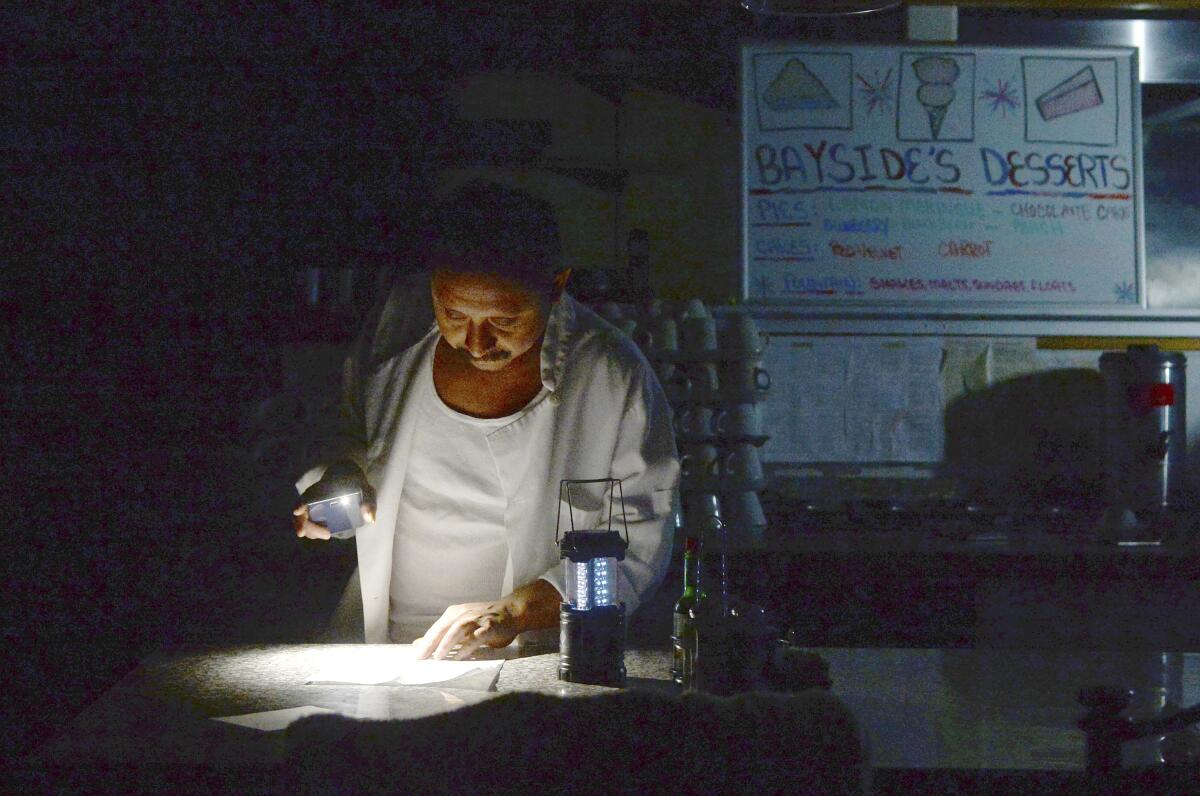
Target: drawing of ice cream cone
(936, 74)
(936, 69)
(936, 99)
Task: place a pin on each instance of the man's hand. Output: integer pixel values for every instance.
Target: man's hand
(307, 529)
(340, 477)
(470, 626)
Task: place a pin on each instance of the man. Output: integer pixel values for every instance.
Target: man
(467, 433)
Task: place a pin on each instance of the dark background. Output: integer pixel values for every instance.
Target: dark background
(166, 172)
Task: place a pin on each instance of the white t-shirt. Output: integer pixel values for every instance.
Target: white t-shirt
(450, 546)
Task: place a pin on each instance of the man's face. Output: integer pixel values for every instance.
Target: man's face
(489, 319)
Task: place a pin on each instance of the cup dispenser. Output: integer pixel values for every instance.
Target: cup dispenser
(1145, 442)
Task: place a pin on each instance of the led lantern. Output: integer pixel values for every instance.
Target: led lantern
(592, 619)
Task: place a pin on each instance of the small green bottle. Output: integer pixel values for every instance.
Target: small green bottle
(683, 629)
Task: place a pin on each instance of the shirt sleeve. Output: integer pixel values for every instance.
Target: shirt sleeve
(647, 464)
(391, 326)
(351, 426)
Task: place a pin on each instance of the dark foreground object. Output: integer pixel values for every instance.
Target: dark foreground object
(630, 742)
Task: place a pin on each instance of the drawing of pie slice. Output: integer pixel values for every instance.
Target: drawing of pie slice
(1077, 93)
(795, 88)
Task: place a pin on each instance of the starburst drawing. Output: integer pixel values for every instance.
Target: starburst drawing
(878, 94)
(1125, 292)
(1003, 97)
(764, 287)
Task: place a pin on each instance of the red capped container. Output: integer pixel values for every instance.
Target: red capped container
(1145, 430)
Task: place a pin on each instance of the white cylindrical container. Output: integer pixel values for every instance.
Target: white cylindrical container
(1145, 430)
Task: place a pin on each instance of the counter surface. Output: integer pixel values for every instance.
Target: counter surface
(1073, 552)
(918, 586)
(921, 708)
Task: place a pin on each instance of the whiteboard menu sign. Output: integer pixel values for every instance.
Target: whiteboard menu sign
(953, 175)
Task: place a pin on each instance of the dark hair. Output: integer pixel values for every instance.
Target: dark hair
(485, 227)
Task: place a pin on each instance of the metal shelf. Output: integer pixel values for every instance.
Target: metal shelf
(991, 321)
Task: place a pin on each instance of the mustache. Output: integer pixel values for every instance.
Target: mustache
(491, 356)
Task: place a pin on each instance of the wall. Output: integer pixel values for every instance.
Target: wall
(675, 161)
(1173, 215)
(1022, 425)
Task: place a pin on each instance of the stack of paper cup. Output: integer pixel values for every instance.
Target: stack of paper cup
(738, 422)
(710, 367)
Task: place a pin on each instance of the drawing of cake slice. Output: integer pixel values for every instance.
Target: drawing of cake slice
(795, 88)
(1077, 93)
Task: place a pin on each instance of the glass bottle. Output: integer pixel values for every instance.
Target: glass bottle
(683, 628)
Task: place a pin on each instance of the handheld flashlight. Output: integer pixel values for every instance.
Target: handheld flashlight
(341, 514)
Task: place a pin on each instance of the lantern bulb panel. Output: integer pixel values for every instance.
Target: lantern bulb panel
(582, 601)
(590, 584)
(602, 586)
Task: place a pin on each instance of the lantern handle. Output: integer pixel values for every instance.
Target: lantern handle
(624, 519)
(565, 484)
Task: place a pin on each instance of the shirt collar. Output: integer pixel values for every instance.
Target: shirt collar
(555, 342)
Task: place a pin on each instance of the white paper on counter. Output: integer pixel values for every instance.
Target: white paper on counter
(396, 664)
(273, 720)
